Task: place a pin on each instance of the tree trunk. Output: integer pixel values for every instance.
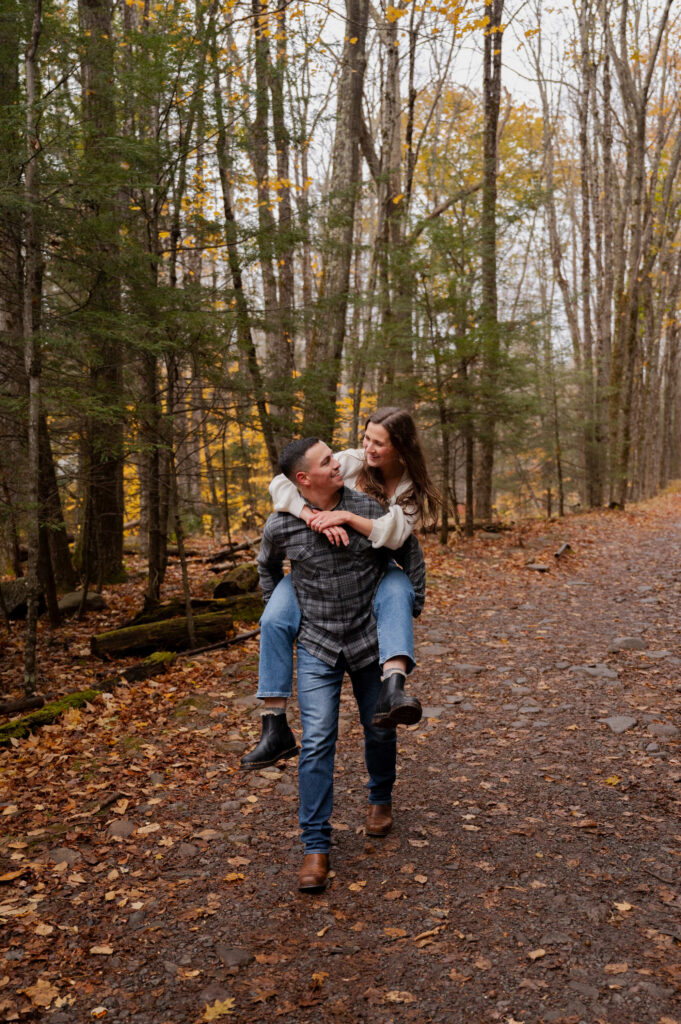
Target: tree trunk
(322, 376)
(103, 544)
(489, 323)
(32, 348)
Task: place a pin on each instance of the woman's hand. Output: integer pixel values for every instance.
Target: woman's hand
(321, 521)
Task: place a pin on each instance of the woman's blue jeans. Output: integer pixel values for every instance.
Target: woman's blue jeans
(280, 622)
(319, 690)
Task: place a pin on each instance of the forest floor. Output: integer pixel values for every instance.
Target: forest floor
(532, 874)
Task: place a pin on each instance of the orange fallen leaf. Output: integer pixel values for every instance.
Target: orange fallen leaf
(101, 950)
(42, 993)
(616, 968)
(397, 996)
(9, 876)
(537, 954)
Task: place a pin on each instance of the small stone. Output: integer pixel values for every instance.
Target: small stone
(529, 709)
(663, 730)
(467, 706)
(562, 664)
(628, 643)
(63, 855)
(521, 691)
(433, 650)
(659, 655)
(538, 567)
(136, 919)
(652, 748)
(432, 712)
(123, 829)
(596, 671)
(467, 670)
(70, 603)
(249, 701)
(454, 698)
(187, 850)
(232, 956)
(619, 723)
(287, 789)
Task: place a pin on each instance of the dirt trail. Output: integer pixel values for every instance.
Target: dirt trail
(533, 871)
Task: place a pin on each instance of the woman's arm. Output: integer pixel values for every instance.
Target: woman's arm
(389, 531)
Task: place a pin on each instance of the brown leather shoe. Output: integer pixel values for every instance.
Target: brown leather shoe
(379, 819)
(314, 873)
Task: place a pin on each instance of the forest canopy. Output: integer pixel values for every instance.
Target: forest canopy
(224, 224)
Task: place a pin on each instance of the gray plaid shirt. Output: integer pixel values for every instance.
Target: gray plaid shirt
(335, 586)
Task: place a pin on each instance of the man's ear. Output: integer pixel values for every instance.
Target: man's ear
(302, 479)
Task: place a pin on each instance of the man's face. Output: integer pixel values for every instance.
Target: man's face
(322, 470)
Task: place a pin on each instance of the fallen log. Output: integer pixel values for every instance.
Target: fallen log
(246, 607)
(21, 727)
(232, 549)
(11, 707)
(168, 635)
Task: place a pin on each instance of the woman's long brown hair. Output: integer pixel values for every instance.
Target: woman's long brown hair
(423, 494)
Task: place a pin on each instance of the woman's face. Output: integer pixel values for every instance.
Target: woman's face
(379, 450)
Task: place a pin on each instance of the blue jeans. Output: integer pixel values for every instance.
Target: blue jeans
(319, 689)
(280, 622)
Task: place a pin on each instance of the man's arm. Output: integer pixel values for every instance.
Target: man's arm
(410, 557)
(270, 558)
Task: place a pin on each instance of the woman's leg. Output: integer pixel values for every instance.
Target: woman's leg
(393, 609)
(279, 626)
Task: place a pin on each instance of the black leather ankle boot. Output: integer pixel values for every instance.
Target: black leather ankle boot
(276, 743)
(394, 707)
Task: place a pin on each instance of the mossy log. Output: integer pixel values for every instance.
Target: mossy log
(46, 715)
(169, 635)
(242, 579)
(155, 665)
(244, 607)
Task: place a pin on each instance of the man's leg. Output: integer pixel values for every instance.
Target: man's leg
(380, 751)
(393, 608)
(319, 687)
(279, 626)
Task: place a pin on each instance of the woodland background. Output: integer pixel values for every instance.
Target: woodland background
(224, 224)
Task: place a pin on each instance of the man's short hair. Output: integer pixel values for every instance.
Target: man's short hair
(292, 457)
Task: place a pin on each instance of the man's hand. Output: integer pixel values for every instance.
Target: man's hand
(336, 535)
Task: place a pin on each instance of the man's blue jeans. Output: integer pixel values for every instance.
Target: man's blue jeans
(319, 690)
(280, 622)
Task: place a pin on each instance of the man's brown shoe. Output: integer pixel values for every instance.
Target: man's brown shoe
(314, 873)
(379, 819)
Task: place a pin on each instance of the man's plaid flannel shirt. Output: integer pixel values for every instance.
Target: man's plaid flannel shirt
(335, 586)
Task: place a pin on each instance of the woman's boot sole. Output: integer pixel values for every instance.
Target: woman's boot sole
(291, 752)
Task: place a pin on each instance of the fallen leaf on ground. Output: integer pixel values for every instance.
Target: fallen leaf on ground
(42, 993)
(220, 1008)
(396, 996)
(101, 950)
(616, 968)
